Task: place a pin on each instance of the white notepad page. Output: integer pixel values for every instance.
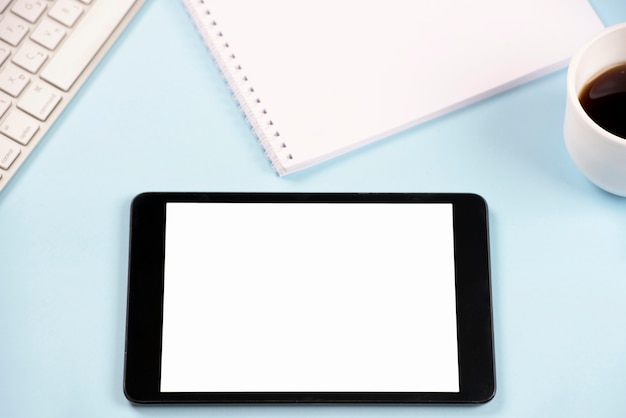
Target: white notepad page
(320, 78)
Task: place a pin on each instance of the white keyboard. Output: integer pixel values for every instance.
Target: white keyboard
(47, 50)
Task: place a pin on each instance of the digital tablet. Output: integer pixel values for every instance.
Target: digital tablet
(309, 298)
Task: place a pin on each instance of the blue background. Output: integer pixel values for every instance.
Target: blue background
(156, 116)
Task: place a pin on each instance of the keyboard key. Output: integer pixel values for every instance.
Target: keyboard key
(83, 44)
(4, 4)
(19, 127)
(48, 34)
(29, 10)
(39, 100)
(9, 151)
(12, 29)
(30, 57)
(5, 51)
(5, 104)
(13, 80)
(66, 12)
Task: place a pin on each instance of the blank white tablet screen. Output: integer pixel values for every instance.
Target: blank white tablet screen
(309, 297)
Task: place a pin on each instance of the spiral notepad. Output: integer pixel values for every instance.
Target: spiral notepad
(319, 78)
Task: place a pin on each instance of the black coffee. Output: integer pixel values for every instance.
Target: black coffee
(604, 99)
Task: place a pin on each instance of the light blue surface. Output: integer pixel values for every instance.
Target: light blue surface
(158, 117)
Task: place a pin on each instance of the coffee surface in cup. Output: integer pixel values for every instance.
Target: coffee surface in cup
(604, 99)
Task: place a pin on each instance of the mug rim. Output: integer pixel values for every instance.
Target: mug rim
(571, 84)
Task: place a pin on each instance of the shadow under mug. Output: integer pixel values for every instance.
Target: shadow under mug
(599, 154)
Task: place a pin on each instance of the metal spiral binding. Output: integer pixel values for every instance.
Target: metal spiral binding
(268, 134)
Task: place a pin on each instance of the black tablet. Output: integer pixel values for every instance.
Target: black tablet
(309, 298)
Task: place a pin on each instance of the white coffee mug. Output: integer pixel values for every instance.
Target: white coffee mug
(599, 154)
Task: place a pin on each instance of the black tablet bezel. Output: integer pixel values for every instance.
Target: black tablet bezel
(145, 301)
